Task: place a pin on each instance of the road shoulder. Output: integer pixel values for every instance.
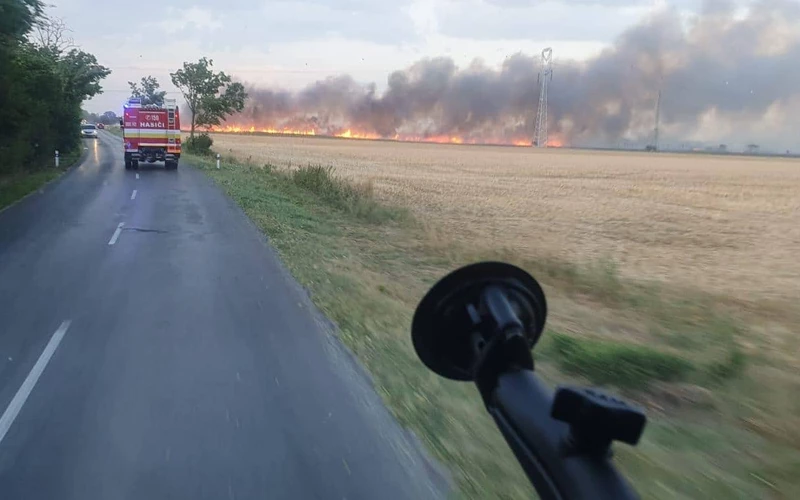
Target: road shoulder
(17, 188)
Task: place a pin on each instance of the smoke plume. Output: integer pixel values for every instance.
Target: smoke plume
(724, 76)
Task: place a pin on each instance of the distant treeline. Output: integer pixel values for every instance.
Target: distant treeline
(107, 118)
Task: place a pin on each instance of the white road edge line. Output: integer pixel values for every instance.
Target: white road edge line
(116, 234)
(133, 195)
(25, 389)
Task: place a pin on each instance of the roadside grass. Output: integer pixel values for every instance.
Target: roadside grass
(634, 366)
(724, 419)
(114, 130)
(354, 199)
(17, 185)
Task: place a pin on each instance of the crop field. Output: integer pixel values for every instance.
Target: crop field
(726, 225)
(672, 279)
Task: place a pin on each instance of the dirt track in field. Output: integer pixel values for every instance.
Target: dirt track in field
(727, 225)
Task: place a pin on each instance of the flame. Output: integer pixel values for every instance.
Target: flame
(235, 129)
(349, 134)
(352, 133)
(438, 139)
(288, 131)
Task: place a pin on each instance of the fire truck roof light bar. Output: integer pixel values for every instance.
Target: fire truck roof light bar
(137, 103)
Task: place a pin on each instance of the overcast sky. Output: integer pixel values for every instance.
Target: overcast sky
(292, 43)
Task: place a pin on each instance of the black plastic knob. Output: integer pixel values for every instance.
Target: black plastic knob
(596, 418)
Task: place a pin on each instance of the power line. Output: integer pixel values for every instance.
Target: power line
(658, 115)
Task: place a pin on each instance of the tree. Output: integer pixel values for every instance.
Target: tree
(43, 82)
(148, 91)
(89, 116)
(52, 33)
(17, 19)
(109, 118)
(210, 96)
(82, 74)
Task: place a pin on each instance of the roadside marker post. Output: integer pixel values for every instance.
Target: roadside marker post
(217, 161)
(56, 158)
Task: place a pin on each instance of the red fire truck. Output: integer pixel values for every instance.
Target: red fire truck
(151, 133)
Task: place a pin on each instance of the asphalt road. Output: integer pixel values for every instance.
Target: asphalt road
(181, 361)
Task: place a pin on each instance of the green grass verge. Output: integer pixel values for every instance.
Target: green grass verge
(634, 366)
(367, 265)
(15, 186)
(354, 199)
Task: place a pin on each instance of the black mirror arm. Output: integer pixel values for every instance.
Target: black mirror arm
(563, 443)
(557, 465)
(479, 323)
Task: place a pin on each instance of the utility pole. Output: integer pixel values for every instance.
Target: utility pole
(658, 114)
(540, 134)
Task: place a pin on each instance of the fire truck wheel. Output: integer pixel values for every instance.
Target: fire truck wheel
(135, 164)
(127, 164)
(171, 165)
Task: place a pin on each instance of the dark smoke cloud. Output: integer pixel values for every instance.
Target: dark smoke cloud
(738, 70)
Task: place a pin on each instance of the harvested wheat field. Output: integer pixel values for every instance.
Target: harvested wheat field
(726, 225)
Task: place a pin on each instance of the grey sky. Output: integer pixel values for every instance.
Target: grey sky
(292, 43)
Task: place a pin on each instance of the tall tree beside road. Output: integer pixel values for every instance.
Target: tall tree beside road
(19, 17)
(43, 81)
(82, 75)
(52, 33)
(148, 91)
(210, 96)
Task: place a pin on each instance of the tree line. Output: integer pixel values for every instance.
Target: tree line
(44, 79)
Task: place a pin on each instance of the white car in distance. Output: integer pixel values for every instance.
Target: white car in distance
(89, 130)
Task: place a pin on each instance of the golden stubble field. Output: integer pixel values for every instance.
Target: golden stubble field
(726, 225)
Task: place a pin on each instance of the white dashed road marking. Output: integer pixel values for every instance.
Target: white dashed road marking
(27, 386)
(116, 234)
